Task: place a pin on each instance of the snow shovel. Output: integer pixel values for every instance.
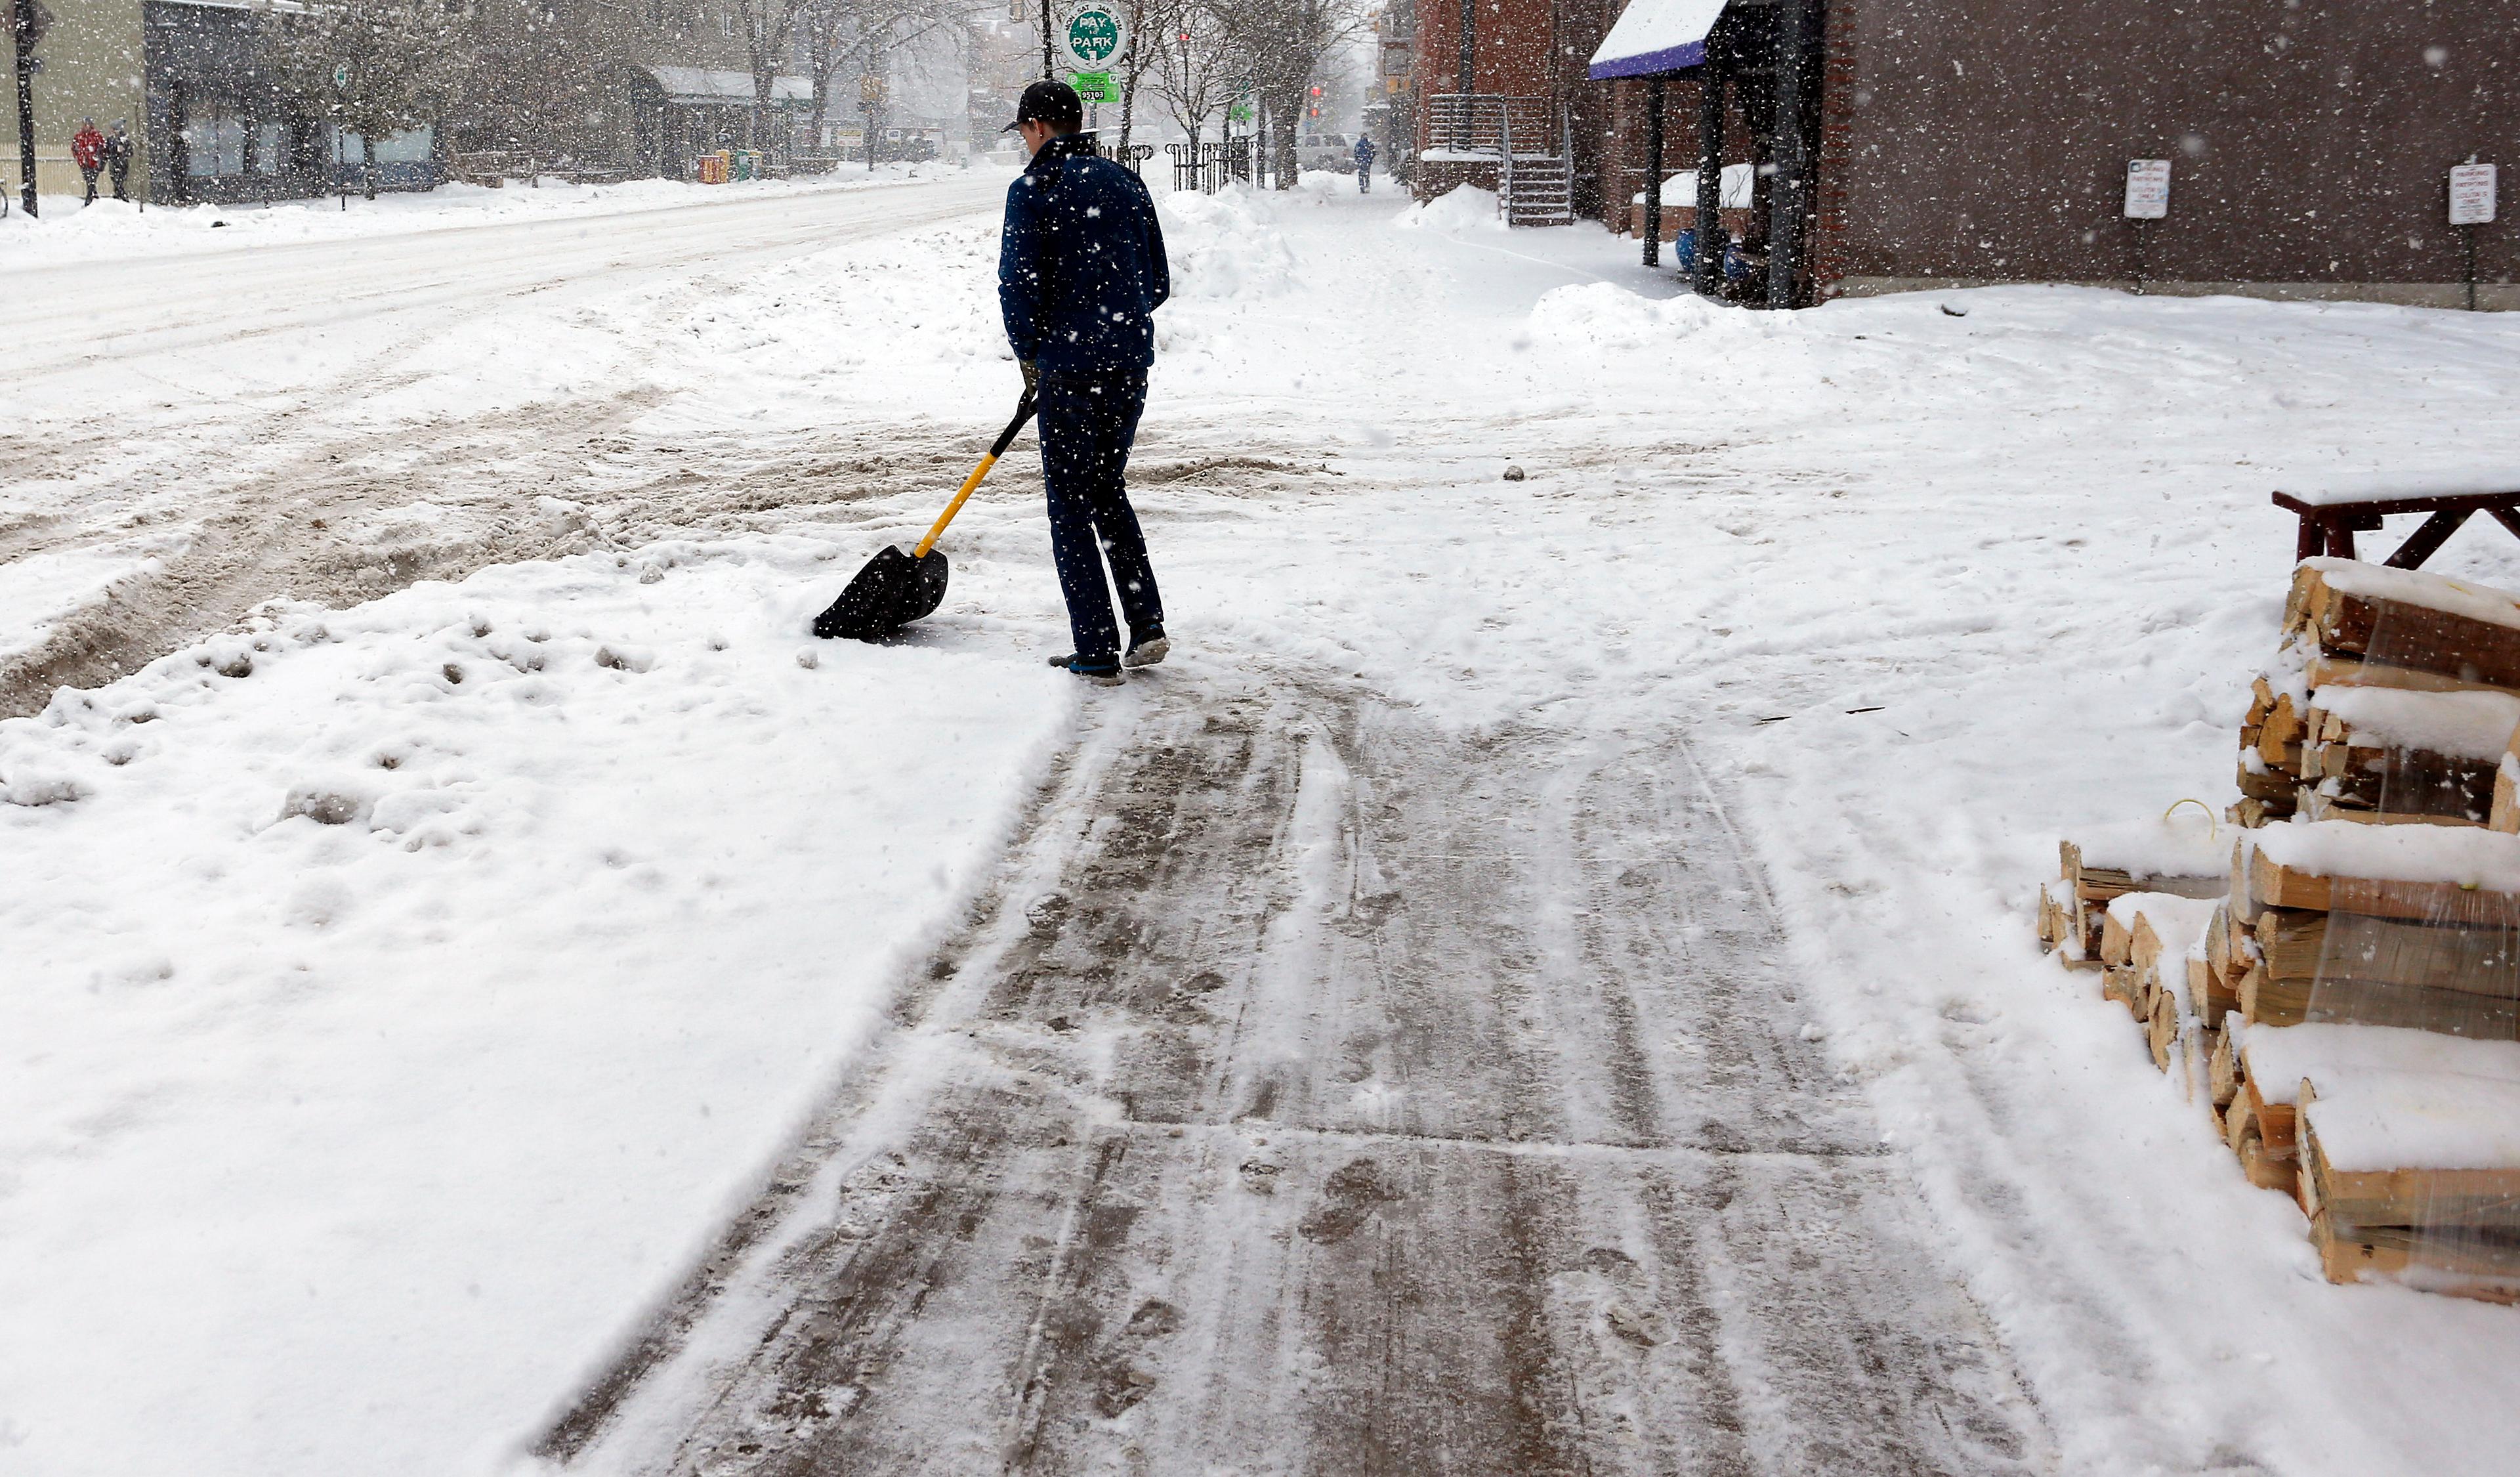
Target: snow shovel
(896, 589)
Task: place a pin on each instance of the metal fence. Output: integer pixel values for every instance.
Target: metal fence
(1206, 166)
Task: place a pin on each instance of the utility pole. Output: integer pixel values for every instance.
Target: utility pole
(1048, 71)
(26, 21)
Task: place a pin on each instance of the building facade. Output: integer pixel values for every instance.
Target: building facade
(1981, 141)
(2310, 144)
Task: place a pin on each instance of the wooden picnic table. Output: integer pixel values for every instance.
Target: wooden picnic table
(2329, 526)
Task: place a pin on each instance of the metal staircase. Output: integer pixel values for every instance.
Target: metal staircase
(1529, 141)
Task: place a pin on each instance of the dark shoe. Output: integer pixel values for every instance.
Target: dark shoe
(1102, 674)
(1148, 652)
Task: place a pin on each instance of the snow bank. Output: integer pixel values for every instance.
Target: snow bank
(1605, 317)
(393, 997)
(1226, 245)
(1463, 208)
(2476, 860)
(2474, 726)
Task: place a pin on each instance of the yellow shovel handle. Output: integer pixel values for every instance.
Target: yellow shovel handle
(1005, 439)
(956, 506)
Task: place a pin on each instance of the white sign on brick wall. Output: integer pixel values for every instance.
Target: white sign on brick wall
(2471, 195)
(2147, 195)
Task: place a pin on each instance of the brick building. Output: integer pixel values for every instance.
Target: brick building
(1923, 142)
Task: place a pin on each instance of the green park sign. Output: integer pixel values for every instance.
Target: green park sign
(1094, 37)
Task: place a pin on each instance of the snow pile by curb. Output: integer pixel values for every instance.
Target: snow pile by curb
(1226, 245)
(1606, 318)
(1463, 208)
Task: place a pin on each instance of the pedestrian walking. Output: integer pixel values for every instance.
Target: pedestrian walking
(118, 159)
(1081, 270)
(1364, 164)
(87, 151)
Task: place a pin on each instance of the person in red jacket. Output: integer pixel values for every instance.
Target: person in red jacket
(87, 148)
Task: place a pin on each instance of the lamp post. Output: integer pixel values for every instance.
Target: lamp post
(27, 20)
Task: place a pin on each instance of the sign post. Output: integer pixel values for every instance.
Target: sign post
(26, 21)
(2471, 204)
(1092, 40)
(2147, 200)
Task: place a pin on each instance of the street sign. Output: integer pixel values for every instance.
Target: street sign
(35, 19)
(1094, 86)
(2147, 189)
(2471, 195)
(1091, 37)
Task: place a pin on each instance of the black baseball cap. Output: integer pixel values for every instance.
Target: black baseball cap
(1053, 103)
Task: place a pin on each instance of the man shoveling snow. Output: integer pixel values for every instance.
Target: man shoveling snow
(1081, 270)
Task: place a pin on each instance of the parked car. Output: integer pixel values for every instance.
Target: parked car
(1335, 151)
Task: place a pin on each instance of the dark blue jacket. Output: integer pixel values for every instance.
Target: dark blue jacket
(1081, 266)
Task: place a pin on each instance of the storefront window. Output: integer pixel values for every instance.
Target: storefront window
(270, 148)
(414, 147)
(213, 144)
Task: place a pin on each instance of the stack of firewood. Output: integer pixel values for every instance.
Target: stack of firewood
(2347, 1006)
(2392, 697)
(2184, 858)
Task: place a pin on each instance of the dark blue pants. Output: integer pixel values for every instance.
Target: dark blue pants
(1087, 426)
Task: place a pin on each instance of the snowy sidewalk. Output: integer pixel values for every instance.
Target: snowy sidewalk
(1924, 582)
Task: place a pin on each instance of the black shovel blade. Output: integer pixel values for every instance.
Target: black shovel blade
(892, 590)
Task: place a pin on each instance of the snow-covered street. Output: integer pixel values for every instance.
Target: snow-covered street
(1542, 981)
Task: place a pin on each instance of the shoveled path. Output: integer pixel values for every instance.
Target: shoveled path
(1320, 1091)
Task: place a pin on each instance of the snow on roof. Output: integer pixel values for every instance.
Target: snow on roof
(1655, 35)
(702, 85)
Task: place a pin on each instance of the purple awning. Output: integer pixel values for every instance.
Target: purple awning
(1654, 36)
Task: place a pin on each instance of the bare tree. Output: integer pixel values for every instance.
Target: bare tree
(1285, 41)
(1150, 23)
(842, 36)
(382, 67)
(1193, 60)
(546, 79)
(767, 27)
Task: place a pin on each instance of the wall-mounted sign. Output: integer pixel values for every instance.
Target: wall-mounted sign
(2471, 195)
(2147, 191)
(1091, 37)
